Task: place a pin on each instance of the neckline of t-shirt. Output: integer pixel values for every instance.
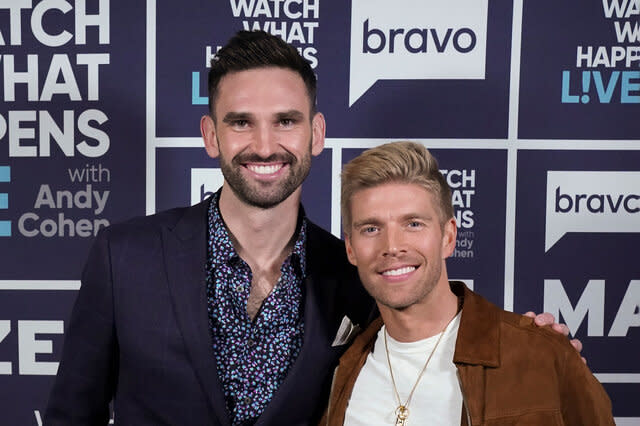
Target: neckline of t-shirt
(423, 344)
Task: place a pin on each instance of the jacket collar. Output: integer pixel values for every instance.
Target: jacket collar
(477, 345)
(225, 252)
(184, 248)
(185, 251)
(478, 339)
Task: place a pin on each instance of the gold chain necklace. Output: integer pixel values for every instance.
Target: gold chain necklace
(402, 411)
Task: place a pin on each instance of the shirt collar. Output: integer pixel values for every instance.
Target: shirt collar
(222, 250)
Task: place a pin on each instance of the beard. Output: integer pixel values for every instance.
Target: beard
(265, 195)
(416, 295)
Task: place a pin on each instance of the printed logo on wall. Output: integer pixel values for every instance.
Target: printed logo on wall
(387, 43)
(590, 75)
(204, 182)
(31, 340)
(205, 27)
(576, 239)
(390, 59)
(67, 134)
(72, 149)
(591, 202)
(479, 208)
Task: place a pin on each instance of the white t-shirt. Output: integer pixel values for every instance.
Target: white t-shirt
(437, 399)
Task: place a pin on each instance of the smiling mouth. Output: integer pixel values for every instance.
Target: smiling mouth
(398, 271)
(264, 169)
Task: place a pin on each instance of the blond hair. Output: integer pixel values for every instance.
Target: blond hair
(396, 162)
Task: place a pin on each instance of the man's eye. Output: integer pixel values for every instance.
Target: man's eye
(287, 122)
(240, 123)
(369, 229)
(415, 224)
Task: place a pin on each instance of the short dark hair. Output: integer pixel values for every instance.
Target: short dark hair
(258, 49)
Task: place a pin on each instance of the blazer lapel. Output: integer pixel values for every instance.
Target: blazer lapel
(184, 258)
(323, 311)
(313, 354)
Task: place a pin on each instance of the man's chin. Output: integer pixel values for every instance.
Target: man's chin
(264, 194)
(263, 200)
(397, 304)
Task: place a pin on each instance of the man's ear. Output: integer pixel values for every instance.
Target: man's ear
(350, 255)
(318, 129)
(208, 131)
(449, 233)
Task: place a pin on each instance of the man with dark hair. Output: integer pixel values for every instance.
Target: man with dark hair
(232, 311)
(257, 49)
(440, 354)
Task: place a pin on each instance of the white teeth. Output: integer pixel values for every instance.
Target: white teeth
(395, 272)
(264, 169)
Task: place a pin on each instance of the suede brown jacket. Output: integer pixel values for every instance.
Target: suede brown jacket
(511, 372)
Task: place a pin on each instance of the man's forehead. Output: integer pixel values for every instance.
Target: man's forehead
(263, 74)
(278, 89)
(417, 200)
(393, 187)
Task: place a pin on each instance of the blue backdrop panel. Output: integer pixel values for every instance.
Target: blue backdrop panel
(577, 132)
(89, 151)
(596, 271)
(624, 397)
(35, 340)
(567, 66)
(442, 108)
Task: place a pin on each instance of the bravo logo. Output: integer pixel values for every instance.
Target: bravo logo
(416, 40)
(204, 182)
(591, 202)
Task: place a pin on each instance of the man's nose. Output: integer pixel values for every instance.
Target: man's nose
(393, 242)
(264, 141)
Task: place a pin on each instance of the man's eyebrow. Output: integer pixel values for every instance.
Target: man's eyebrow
(292, 114)
(233, 116)
(403, 218)
(367, 221)
(421, 216)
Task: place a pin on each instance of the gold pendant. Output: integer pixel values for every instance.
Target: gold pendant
(402, 413)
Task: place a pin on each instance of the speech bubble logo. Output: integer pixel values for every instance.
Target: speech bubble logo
(204, 182)
(591, 202)
(416, 40)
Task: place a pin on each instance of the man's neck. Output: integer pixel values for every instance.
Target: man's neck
(423, 320)
(262, 237)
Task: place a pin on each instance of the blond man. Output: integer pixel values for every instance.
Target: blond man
(439, 353)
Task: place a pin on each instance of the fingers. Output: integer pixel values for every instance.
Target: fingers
(545, 318)
(577, 344)
(561, 328)
(530, 314)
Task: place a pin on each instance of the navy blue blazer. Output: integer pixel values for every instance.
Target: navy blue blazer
(139, 331)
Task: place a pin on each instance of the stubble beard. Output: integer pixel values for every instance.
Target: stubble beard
(420, 294)
(265, 195)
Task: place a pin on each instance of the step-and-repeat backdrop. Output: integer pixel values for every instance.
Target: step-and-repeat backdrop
(532, 107)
